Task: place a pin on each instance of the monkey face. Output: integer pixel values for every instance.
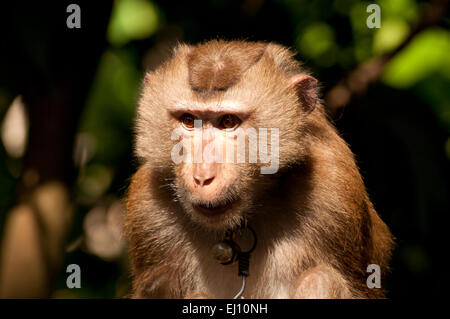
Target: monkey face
(222, 118)
(211, 174)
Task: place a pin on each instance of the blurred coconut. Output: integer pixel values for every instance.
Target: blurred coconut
(15, 129)
(103, 230)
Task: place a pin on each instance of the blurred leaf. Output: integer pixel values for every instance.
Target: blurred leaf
(132, 20)
(317, 42)
(390, 35)
(427, 53)
(399, 9)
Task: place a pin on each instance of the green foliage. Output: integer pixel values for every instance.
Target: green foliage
(111, 105)
(132, 20)
(428, 53)
(425, 64)
(389, 37)
(317, 42)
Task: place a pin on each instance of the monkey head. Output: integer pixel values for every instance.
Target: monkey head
(220, 119)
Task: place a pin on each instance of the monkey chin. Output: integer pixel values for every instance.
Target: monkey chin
(216, 215)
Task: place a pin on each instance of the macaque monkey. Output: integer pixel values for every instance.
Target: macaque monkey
(230, 135)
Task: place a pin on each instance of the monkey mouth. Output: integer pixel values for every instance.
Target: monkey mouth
(213, 208)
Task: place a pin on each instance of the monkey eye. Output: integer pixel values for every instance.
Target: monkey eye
(187, 120)
(229, 121)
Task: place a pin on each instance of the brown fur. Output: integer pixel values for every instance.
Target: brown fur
(317, 229)
(217, 65)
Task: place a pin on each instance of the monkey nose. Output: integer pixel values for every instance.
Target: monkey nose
(203, 181)
(204, 173)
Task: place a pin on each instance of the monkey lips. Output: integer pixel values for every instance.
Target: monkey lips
(213, 208)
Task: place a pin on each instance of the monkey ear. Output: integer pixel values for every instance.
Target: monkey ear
(147, 77)
(306, 88)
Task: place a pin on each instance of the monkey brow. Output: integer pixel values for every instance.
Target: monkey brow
(211, 108)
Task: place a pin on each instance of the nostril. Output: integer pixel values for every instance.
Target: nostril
(203, 181)
(208, 181)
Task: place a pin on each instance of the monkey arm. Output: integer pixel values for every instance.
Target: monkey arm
(322, 282)
(160, 261)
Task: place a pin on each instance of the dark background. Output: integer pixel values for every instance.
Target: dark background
(78, 90)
